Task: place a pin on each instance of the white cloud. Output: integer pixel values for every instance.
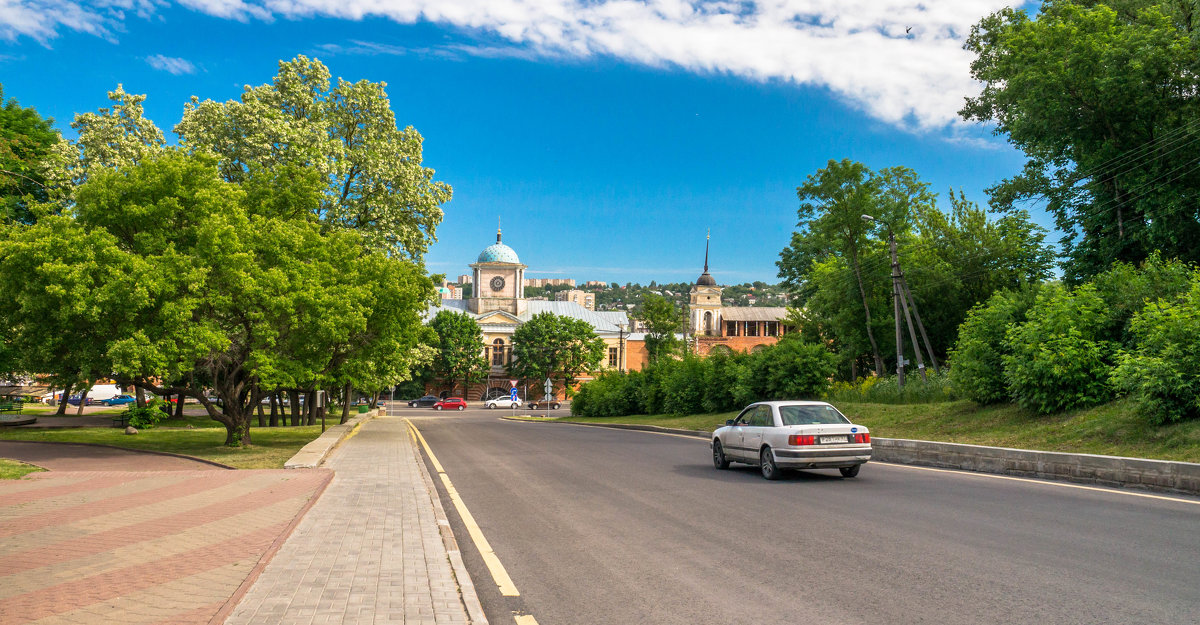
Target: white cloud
(901, 61)
(173, 65)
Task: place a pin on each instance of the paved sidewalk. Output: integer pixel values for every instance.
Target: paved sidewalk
(139, 548)
(79, 457)
(369, 551)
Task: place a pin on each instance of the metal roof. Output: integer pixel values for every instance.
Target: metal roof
(753, 313)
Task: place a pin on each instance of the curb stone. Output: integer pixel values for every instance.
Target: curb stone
(317, 450)
(1112, 471)
(466, 587)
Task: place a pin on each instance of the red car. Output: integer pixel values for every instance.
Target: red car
(451, 403)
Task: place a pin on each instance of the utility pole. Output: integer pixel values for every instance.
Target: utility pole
(896, 303)
(920, 326)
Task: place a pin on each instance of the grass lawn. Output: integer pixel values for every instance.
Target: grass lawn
(14, 470)
(1111, 429)
(200, 437)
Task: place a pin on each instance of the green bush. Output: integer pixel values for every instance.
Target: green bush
(1162, 372)
(787, 370)
(1056, 359)
(976, 366)
(146, 417)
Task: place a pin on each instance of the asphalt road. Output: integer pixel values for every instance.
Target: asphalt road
(599, 526)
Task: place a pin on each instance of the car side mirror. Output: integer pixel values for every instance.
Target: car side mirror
(729, 422)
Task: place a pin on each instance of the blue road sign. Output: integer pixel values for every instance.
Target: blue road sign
(514, 394)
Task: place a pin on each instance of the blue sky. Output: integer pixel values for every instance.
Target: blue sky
(608, 136)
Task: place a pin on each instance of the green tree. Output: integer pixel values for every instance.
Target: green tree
(663, 322)
(26, 142)
(832, 203)
(171, 278)
(459, 349)
(373, 181)
(1101, 98)
(551, 346)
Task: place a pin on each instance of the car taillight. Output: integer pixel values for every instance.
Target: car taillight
(802, 439)
(862, 437)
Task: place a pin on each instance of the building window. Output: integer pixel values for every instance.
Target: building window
(752, 328)
(498, 353)
(612, 356)
(772, 329)
(708, 323)
(730, 328)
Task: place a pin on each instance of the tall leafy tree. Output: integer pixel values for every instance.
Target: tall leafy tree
(832, 203)
(373, 180)
(551, 346)
(458, 355)
(26, 141)
(1102, 99)
(663, 322)
(176, 280)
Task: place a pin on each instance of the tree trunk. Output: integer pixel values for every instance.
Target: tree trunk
(62, 402)
(375, 400)
(310, 407)
(179, 406)
(275, 409)
(346, 391)
(262, 418)
(141, 396)
(879, 370)
(237, 431)
(83, 398)
(294, 398)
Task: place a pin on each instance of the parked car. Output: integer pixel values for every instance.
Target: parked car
(777, 435)
(118, 400)
(423, 402)
(503, 401)
(541, 404)
(75, 399)
(451, 403)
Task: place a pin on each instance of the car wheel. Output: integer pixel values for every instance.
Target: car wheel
(462, 407)
(491, 406)
(719, 459)
(850, 471)
(437, 407)
(513, 405)
(766, 463)
(556, 406)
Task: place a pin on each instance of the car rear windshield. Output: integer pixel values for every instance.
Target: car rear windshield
(811, 415)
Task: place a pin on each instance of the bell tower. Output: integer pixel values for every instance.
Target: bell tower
(705, 301)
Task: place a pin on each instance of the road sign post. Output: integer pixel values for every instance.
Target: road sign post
(548, 386)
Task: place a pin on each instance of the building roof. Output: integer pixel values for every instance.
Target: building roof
(498, 253)
(605, 322)
(753, 313)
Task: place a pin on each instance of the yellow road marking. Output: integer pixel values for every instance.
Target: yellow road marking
(499, 574)
(1042, 482)
(525, 619)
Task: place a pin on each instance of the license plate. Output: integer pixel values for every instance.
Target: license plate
(826, 440)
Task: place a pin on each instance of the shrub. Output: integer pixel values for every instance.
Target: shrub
(1162, 372)
(1056, 360)
(976, 360)
(795, 370)
(145, 417)
(683, 385)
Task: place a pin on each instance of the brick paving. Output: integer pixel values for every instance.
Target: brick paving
(138, 548)
(369, 551)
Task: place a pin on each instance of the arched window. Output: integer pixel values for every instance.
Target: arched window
(498, 353)
(708, 322)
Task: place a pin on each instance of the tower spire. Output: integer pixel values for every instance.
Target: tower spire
(707, 235)
(497, 229)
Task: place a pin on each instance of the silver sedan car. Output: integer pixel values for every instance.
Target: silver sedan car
(778, 435)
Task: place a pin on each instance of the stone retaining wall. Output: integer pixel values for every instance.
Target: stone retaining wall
(1182, 477)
